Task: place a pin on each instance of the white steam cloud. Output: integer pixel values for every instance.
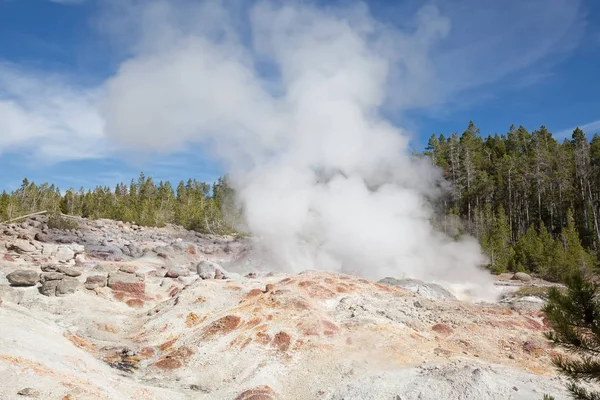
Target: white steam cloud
(325, 180)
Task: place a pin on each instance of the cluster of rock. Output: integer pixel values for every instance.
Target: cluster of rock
(61, 280)
(109, 240)
(56, 280)
(110, 254)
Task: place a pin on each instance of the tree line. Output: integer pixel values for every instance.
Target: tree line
(531, 200)
(199, 206)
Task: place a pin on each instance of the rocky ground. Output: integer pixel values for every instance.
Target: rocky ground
(116, 311)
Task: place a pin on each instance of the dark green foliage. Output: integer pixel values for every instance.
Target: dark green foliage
(533, 203)
(63, 223)
(195, 205)
(575, 319)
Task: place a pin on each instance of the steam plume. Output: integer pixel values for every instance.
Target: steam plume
(295, 117)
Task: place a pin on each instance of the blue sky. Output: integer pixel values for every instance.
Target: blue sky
(528, 63)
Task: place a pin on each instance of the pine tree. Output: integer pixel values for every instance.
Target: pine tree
(577, 259)
(529, 252)
(498, 245)
(575, 320)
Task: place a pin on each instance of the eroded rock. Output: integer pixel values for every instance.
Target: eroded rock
(176, 272)
(49, 288)
(67, 286)
(29, 392)
(95, 281)
(23, 277)
(128, 283)
(522, 276)
(22, 247)
(208, 270)
(51, 276)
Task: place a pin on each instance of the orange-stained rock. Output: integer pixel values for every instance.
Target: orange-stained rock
(168, 344)
(442, 329)
(168, 363)
(253, 322)
(254, 293)
(182, 353)
(263, 338)
(146, 352)
(128, 283)
(135, 303)
(192, 320)
(222, 326)
(282, 341)
(259, 393)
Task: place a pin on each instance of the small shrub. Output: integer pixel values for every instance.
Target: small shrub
(532, 291)
(537, 291)
(59, 222)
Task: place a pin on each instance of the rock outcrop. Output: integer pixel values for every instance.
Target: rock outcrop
(23, 277)
(161, 315)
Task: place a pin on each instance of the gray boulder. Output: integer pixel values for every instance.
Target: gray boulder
(51, 276)
(176, 272)
(427, 290)
(62, 286)
(23, 277)
(521, 276)
(42, 237)
(94, 281)
(72, 272)
(29, 392)
(50, 268)
(165, 252)
(49, 288)
(22, 247)
(208, 270)
(67, 286)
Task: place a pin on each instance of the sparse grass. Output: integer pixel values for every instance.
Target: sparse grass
(533, 291)
(59, 222)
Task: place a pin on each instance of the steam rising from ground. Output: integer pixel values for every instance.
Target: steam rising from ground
(294, 116)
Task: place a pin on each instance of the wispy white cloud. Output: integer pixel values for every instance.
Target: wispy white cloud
(45, 118)
(448, 52)
(590, 129)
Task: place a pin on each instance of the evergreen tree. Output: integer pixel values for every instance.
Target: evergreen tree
(576, 257)
(529, 252)
(575, 320)
(497, 243)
